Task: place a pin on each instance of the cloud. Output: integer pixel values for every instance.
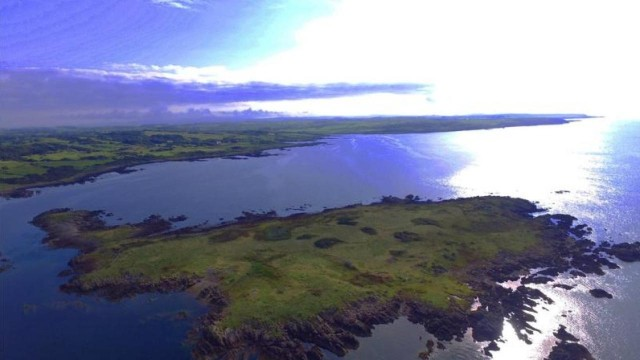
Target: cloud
(36, 95)
(480, 56)
(178, 4)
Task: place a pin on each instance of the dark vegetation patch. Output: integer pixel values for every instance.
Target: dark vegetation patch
(425, 221)
(397, 253)
(274, 233)
(432, 269)
(263, 270)
(227, 235)
(347, 220)
(305, 237)
(369, 230)
(326, 243)
(367, 278)
(407, 236)
(449, 255)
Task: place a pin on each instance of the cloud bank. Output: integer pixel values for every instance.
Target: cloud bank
(60, 96)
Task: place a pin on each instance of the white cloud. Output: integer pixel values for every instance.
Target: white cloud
(217, 74)
(482, 56)
(179, 4)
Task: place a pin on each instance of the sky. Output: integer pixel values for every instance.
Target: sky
(101, 61)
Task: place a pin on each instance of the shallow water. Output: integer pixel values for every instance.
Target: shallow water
(596, 161)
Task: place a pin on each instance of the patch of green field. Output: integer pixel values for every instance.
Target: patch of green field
(277, 269)
(11, 169)
(30, 158)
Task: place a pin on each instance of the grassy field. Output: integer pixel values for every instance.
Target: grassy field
(31, 158)
(274, 270)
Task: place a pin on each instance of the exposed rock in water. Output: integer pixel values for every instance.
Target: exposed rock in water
(178, 218)
(5, 264)
(627, 252)
(563, 286)
(568, 348)
(493, 346)
(563, 335)
(536, 280)
(569, 351)
(577, 273)
(154, 224)
(599, 293)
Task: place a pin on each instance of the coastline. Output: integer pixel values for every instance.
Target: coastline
(307, 137)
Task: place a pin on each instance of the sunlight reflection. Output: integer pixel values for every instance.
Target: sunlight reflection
(508, 162)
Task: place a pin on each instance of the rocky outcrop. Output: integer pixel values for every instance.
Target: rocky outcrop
(599, 293)
(568, 348)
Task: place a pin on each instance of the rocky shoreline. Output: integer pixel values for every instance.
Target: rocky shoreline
(336, 330)
(32, 189)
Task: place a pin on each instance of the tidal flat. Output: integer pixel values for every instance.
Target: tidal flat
(288, 287)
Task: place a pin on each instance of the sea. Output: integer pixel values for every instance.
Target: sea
(588, 168)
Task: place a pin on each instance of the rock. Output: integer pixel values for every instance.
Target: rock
(599, 293)
(627, 252)
(315, 353)
(486, 326)
(536, 280)
(430, 345)
(493, 346)
(563, 335)
(587, 263)
(65, 273)
(569, 351)
(178, 218)
(552, 271)
(577, 273)
(563, 286)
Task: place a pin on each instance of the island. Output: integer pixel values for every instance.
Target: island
(289, 287)
(44, 157)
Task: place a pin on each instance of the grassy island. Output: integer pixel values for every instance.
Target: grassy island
(276, 283)
(42, 157)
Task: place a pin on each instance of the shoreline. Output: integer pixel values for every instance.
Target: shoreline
(310, 137)
(31, 190)
(336, 330)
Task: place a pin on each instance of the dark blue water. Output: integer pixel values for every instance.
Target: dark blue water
(596, 161)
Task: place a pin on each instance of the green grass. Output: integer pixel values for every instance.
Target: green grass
(30, 158)
(272, 272)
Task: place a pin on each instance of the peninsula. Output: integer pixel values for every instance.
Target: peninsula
(287, 287)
